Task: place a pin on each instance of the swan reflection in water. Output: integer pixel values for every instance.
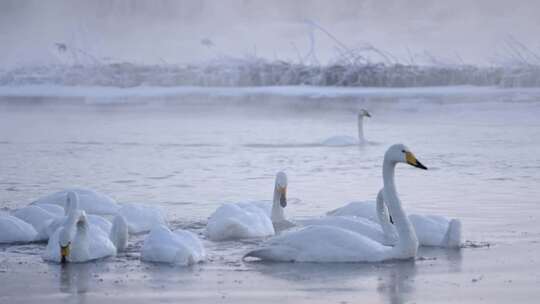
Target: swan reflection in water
(75, 278)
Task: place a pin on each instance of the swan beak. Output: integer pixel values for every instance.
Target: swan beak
(283, 196)
(411, 160)
(368, 114)
(64, 253)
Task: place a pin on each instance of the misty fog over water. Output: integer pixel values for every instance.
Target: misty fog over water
(150, 32)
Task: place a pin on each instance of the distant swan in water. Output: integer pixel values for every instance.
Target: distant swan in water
(332, 244)
(250, 220)
(337, 141)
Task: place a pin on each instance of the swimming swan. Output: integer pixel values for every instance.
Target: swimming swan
(337, 141)
(71, 204)
(381, 231)
(179, 247)
(250, 220)
(333, 244)
(77, 241)
(431, 230)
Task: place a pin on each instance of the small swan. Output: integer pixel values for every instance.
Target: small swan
(337, 141)
(15, 230)
(77, 241)
(180, 247)
(333, 244)
(251, 220)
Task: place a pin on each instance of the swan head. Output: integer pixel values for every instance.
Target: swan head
(363, 113)
(399, 153)
(281, 188)
(64, 240)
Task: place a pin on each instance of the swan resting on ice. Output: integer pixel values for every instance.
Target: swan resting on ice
(251, 220)
(333, 244)
(179, 247)
(337, 141)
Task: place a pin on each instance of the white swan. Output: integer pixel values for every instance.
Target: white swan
(251, 220)
(90, 201)
(14, 230)
(141, 218)
(180, 247)
(276, 209)
(332, 244)
(77, 241)
(39, 218)
(119, 233)
(431, 230)
(349, 140)
(70, 205)
(381, 231)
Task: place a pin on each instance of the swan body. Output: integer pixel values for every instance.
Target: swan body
(52, 209)
(76, 241)
(119, 233)
(338, 141)
(141, 218)
(334, 244)
(251, 220)
(179, 247)
(90, 201)
(361, 226)
(437, 231)
(431, 230)
(39, 218)
(238, 221)
(362, 209)
(71, 205)
(15, 230)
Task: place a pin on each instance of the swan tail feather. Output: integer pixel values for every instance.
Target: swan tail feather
(452, 238)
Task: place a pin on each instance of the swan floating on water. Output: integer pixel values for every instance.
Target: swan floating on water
(141, 218)
(179, 247)
(15, 230)
(381, 231)
(39, 218)
(251, 220)
(337, 141)
(333, 244)
(77, 241)
(431, 230)
(71, 204)
(89, 200)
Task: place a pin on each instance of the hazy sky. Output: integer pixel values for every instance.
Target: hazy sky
(173, 31)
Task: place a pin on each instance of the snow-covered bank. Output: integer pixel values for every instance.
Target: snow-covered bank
(57, 91)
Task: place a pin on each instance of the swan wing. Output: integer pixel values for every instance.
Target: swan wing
(321, 244)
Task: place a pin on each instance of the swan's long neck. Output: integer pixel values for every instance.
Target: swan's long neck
(407, 244)
(361, 128)
(384, 219)
(278, 212)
